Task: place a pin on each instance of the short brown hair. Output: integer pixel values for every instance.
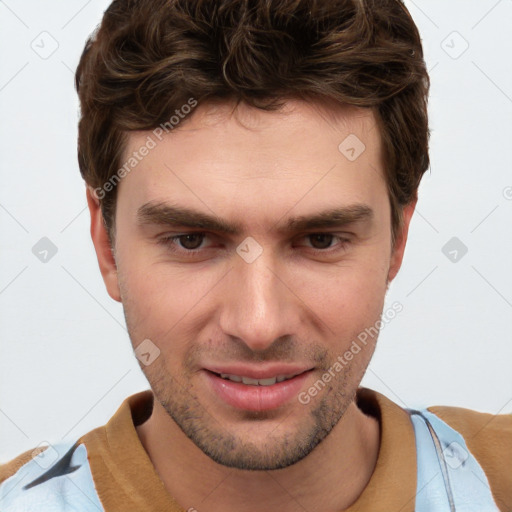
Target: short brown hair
(148, 58)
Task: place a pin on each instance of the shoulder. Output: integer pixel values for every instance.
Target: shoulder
(487, 435)
(8, 469)
(489, 439)
(49, 478)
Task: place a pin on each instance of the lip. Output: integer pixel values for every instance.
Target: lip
(263, 371)
(256, 398)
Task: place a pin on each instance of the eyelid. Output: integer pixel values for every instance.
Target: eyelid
(171, 240)
(342, 238)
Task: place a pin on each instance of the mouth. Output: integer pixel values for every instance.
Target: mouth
(256, 382)
(256, 390)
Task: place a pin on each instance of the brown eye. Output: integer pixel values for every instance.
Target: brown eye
(191, 241)
(321, 240)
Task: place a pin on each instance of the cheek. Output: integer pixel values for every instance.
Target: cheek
(160, 302)
(347, 299)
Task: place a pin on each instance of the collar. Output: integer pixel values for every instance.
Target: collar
(124, 475)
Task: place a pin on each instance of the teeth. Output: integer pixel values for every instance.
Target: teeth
(234, 378)
(256, 382)
(248, 380)
(267, 382)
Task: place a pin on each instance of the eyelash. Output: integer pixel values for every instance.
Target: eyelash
(171, 242)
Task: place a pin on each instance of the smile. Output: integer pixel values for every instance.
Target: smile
(256, 382)
(266, 391)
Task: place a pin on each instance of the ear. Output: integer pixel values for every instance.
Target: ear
(102, 246)
(397, 253)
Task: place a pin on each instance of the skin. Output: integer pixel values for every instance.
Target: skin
(303, 300)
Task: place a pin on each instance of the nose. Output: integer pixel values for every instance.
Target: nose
(259, 305)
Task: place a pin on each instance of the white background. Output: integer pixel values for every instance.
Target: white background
(66, 362)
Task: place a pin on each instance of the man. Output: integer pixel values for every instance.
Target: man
(252, 169)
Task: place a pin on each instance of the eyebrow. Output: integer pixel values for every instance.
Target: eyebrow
(160, 213)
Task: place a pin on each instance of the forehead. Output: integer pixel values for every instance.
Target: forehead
(305, 152)
(295, 120)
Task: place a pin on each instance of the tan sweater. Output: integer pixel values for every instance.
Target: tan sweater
(126, 480)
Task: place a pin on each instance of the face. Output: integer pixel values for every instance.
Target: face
(252, 252)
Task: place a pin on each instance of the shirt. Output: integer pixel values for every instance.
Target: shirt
(123, 477)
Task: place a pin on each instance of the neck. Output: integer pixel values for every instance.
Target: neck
(331, 477)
